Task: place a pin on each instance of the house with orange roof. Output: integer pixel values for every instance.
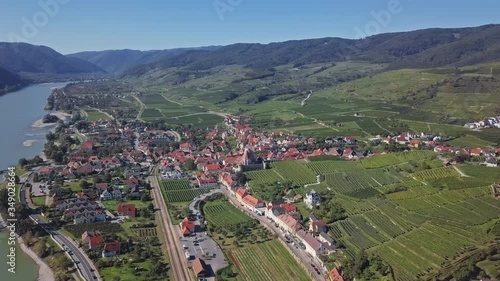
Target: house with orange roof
(92, 238)
(288, 223)
(111, 249)
(252, 203)
(187, 227)
(127, 210)
(335, 275)
(199, 268)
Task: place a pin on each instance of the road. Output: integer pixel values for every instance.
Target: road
(298, 252)
(175, 252)
(79, 258)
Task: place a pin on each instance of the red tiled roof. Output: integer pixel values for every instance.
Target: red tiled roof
(198, 266)
(335, 275)
(241, 192)
(112, 247)
(126, 208)
(186, 223)
(290, 222)
(252, 201)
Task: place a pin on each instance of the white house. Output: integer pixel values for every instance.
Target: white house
(312, 198)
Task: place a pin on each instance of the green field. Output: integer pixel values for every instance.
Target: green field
(470, 141)
(270, 259)
(224, 215)
(95, 115)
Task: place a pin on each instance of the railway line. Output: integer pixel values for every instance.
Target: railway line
(176, 254)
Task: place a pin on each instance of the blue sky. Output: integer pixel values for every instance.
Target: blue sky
(81, 25)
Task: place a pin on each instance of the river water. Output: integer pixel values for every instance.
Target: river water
(18, 112)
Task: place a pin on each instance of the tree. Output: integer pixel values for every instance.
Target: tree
(84, 184)
(189, 165)
(23, 162)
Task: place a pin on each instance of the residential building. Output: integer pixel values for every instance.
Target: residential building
(111, 249)
(127, 210)
(312, 198)
(92, 238)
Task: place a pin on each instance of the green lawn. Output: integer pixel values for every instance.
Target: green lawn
(38, 201)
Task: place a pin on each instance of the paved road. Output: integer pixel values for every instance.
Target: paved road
(298, 252)
(171, 233)
(81, 260)
(205, 244)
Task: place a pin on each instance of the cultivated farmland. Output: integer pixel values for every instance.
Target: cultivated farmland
(268, 261)
(224, 215)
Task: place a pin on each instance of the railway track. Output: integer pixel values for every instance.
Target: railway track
(175, 251)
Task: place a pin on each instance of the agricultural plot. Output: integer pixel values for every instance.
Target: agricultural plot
(145, 232)
(330, 167)
(270, 260)
(151, 113)
(263, 177)
(470, 141)
(95, 115)
(223, 215)
(384, 223)
(175, 185)
(295, 171)
(439, 173)
(197, 120)
(183, 195)
(397, 158)
(481, 172)
(362, 183)
(380, 161)
(459, 183)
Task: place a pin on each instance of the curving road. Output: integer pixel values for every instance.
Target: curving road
(174, 248)
(79, 258)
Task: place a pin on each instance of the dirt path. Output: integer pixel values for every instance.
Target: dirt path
(462, 174)
(143, 106)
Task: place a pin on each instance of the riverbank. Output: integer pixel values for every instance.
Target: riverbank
(45, 273)
(61, 115)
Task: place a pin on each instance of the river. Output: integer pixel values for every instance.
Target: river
(18, 111)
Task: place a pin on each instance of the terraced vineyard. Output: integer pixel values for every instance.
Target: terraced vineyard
(295, 171)
(270, 260)
(263, 177)
(445, 172)
(224, 215)
(361, 183)
(330, 167)
(396, 158)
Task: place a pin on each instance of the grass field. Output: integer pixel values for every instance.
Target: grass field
(271, 260)
(95, 115)
(38, 201)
